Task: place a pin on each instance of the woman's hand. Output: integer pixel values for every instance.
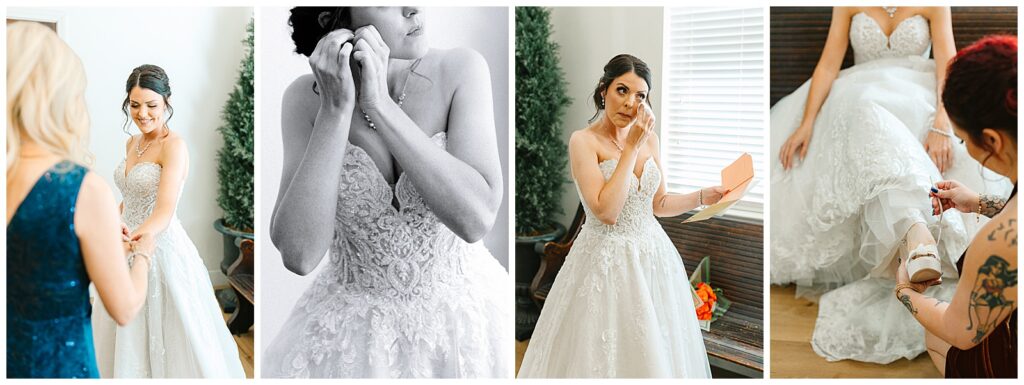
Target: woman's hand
(143, 243)
(902, 277)
(952, 194)
(333, 72)
(797, 142)
(711, 195)
(641, 127)
(940, 149)
(125, 232)
(371, 55)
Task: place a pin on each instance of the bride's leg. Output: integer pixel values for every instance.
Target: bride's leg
(917, 235)
(937, 349)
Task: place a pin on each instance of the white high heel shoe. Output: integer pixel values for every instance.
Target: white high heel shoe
(923, 263)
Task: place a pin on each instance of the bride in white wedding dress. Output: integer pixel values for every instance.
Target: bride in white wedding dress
(180, 332)
(858, 197)
(621, 305)
(390, 168)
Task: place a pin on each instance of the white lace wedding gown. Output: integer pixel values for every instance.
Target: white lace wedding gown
(401, 296)
(621, 305)
(180, 331)
(839, 216)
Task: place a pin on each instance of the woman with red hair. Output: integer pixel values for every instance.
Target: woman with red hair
(975, 335)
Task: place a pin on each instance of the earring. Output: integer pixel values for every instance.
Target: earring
(602, 102)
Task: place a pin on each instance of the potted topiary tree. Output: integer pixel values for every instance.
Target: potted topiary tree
(540, 152)
(235, 161)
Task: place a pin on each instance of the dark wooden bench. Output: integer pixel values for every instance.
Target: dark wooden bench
(240, 276)
(798, 35)
(736, 341)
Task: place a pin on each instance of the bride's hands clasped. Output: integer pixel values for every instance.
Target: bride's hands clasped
(331, 66)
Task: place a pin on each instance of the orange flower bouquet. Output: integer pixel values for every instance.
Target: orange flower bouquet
(708, 301)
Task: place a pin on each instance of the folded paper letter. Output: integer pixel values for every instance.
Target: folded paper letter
(738, 178)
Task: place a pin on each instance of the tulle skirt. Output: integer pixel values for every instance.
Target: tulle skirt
(621, 306)
(839, 217)
(180, 331)
(459, 329)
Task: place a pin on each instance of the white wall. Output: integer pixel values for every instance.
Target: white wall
(200, 48)
(483, 29)
(588, 37)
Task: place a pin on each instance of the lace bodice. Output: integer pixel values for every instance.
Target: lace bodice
(398, 252)
(911, 37)
(138, 187)
(638, 211)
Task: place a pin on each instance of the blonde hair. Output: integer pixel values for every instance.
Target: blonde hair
(45, 95)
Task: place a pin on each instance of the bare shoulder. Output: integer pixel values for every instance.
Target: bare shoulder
(301, 87)
(462, 64)
(299, 104)
(174, 148)
(932, 12)
(845, 12)
(996, 242)
(94, 193)
(654, 143)
(582, 141)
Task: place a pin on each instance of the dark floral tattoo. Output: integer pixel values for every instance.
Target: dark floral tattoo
(988, 303)
(990, 204)
(906, 302)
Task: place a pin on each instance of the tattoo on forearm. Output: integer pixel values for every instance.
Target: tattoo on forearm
(991, 204)
(988, 303)
(905, 299)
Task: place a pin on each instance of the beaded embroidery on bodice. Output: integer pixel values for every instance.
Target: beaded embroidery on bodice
(638, 210)
(911, 37)
(138, 187)
(401, 252)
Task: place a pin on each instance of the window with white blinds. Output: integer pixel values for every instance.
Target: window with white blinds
(714, 101)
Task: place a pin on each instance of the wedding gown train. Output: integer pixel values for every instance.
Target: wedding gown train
(621, 305)
(180, 331)
(839, 216)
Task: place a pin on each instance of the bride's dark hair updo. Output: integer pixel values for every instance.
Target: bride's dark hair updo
(619, 65)
(981, 87)
(150, 77)
(306, 28)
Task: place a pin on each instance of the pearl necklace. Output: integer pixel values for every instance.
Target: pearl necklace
(139, 150)
(401, 97)
(891, 11)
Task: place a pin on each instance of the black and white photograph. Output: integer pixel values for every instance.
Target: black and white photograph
(383, 186)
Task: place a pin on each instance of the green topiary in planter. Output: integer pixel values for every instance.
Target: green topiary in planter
(235, 160)
(541, 99)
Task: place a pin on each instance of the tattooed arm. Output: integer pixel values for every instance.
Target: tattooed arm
(987, 291)
(990, 205)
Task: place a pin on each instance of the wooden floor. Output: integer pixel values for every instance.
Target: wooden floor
(245, 349)
(520, 352)
(792, 322)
